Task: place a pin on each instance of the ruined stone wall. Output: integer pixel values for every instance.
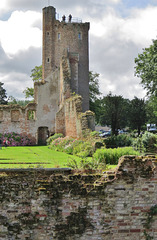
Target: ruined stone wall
(75, 122)
(22, 120)
(44, 204)
(47, 99)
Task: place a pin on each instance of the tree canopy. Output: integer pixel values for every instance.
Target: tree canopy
(114, 112)
(3, 95)
(95, 104)
(29, 92)
(137, 113)
(36, 73)
(146, 68)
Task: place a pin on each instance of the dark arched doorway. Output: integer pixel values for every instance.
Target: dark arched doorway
(43, 134)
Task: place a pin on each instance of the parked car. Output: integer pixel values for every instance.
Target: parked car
(105, 134)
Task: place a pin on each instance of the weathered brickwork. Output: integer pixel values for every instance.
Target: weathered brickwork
(71, 121)
(65, 73)
(39, 205)
(14, 118)
(60, 36)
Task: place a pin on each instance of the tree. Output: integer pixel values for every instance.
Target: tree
(3, 95)
(151, 109)
(36, 73)
(29, 92)
(146, 68)
(12, 101)
(95, 104)
(137, 113)
(36, 77)
(115, 112)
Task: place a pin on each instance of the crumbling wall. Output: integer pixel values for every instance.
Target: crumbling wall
(47, 99)
(71, 121)
(51, 204)
(22, 120)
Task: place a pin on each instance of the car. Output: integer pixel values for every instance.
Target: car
(105, 134)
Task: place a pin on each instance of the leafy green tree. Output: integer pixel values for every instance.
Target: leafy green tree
(146, 68)
(36, 77)
(95, 103)
(3, 95)
(29, 92)
(137, 114)
(12, 100)
(115, 112)
(151, 109)
(36, 73)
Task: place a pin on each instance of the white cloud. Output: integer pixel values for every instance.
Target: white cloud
(141, 26)
(18, 32)
(15, 82)
(3, 6)
(115, 42)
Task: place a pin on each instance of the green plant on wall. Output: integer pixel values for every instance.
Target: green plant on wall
(149, 220)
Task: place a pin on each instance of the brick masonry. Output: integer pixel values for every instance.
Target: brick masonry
(39, 205)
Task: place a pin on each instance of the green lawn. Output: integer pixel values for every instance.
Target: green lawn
(30, 157)
(36, 157)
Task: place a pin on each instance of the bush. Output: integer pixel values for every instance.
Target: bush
(79, 147)
(63, 144)
(15, 139)
(146, 143)
(53, 137)
(122, 140)
(85, 163)
(112, 155)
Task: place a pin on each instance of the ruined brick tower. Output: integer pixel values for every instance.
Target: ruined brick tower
(68, 36)
(61, 99)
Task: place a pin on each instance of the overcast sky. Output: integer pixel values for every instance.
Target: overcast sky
(119, 30)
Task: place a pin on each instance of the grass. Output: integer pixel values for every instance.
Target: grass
(32, 157)
(37, 157)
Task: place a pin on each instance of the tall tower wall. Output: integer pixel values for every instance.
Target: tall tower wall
(66, 36)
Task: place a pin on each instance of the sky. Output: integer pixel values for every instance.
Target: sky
(119, 31)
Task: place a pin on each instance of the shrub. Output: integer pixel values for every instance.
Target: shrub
(122, 140)
(15, 139)
(94, 134)
(62, 144)
(112, 155)
(53, 137)
(85, 163)
(147, 142)
(83, 148)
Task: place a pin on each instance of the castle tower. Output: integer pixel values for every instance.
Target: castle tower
(71, 36)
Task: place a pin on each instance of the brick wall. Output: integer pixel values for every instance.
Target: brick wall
(14, 118)
(38, 204)
(71, 121)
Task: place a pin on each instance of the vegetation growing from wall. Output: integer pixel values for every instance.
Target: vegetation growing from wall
(152, 212)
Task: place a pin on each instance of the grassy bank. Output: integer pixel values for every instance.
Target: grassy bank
(25, 157)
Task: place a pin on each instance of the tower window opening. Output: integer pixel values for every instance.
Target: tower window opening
(79, 36)
(48, 60)
(48, 33)
(59, 36)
